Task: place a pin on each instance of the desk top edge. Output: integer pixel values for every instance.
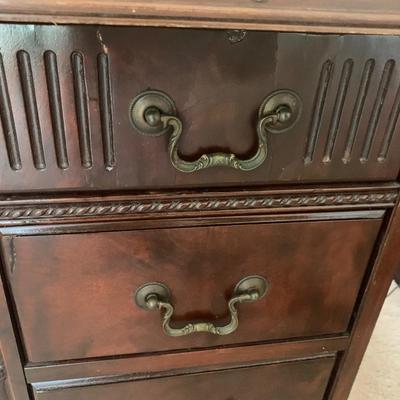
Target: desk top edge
(312, 16)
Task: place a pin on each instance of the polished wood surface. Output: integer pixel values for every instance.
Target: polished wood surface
(386, 263)
(339, 16)
(12, 379)
(90, 209)
(346, 132)
(308, 381)
(21, 214)
(106, 370)
(98, 275)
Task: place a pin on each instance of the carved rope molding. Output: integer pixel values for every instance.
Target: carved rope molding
(126, 207)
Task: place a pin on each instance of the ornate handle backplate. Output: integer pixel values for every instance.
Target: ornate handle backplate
(153, 296)
(153, 113)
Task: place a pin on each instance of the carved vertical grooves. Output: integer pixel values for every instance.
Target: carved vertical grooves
(57, 118)
(379, 100)
(358, 108)
(390, 128)
(31, 110)
(82, 108)
(106, 110)
(338, 109)
(7, 121)
(319, 105)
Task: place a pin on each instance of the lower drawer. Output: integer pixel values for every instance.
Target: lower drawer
(296, 380)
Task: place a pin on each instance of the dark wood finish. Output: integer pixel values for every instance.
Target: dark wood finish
(373, 298)
(12, 379)
(397, 276)
(349, 88)
(23, 210)
(308, 381)
(340, 16)
(103, 370)
(97, 274)
(77, 226)
(75, 246)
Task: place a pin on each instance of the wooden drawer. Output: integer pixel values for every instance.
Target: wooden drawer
(74, 293)
(308, 381)
(66, 93)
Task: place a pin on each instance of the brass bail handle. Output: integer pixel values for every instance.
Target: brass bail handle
(153, 113)
(156, 296)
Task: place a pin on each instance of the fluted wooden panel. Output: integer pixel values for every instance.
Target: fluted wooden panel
(65, 95)
(352, 130)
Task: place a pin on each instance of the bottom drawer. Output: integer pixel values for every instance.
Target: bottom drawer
(295, 380)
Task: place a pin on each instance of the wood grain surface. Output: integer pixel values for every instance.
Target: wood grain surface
(373, 297)
(12, 379)
(299, 380)
(66, 91)
(71, 262)
(88, 281)
(366, 16)
(108, 370)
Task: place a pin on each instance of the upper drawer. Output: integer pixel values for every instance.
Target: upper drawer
(66, 92)
(88, 282)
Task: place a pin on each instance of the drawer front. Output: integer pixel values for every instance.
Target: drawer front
(66, 94)
(74, 294)
(301, 380)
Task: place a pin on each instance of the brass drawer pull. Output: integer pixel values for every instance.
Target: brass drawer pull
(153, 113)
(153, 296)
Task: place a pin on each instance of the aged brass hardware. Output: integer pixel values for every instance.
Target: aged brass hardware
(153, 113)
(278, 102)
(153, 296)
(236, 35)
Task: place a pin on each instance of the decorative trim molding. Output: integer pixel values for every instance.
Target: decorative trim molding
(377, 110)
(61, 128)
(319, 106)
(371, 140)
(7, 121)
(56, 108)
(358, 109)
(127, 206)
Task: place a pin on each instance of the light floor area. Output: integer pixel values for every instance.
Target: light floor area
(379, 375)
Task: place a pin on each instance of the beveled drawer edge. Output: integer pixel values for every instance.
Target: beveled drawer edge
(58, 209)
(84, 226)
(107, 370)
(51, 386)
